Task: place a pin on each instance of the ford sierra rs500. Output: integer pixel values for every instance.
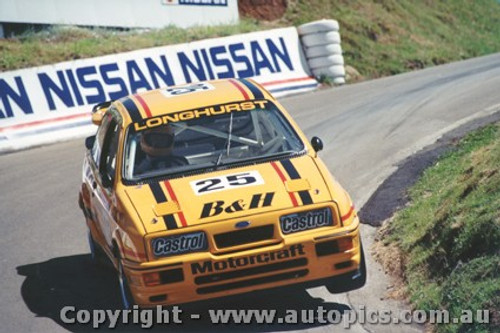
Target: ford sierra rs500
(210, 189)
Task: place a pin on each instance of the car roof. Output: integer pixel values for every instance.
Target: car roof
(191, 96)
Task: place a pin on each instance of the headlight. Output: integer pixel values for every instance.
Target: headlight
(179, 244)
(311, 219)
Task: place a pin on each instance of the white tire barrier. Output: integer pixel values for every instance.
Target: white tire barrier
(323, 50)
(321, 43)
(339, 80)
(318, 26)
(332, 60)
(321, 38)
(330, 71)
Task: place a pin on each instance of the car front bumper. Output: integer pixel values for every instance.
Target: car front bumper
(296, 260)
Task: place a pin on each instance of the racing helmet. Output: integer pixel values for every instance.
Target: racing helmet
(158, 141)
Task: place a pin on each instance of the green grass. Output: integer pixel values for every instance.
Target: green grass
(449, 234)
(379, 37)
(62, 43)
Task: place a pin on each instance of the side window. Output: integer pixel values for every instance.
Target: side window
(109, 151)
(99, 141)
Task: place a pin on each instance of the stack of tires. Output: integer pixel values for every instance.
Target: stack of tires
(321, 43)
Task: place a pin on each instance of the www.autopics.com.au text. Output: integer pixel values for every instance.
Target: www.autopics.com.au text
(147, 318)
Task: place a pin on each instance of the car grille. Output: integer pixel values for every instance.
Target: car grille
(251, 271)
(279, 276)
(254, 282)
(242, 237)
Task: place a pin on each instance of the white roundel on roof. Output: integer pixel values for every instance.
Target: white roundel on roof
(187, 89)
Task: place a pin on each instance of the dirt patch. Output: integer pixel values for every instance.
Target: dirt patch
(392, 260)
(392, 194)
(267, 10)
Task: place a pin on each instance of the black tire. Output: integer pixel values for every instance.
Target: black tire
(349, 281)
(127, 299)
(97, 255)
(318, 26)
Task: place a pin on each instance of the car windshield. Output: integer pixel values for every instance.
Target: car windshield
(209, 137)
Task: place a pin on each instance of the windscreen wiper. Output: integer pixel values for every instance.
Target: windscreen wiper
(228, 141)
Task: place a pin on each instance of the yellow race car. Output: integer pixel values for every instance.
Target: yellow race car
(210, 189)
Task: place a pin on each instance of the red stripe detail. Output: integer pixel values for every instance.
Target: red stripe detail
(240, 88)
(283, 179)
(174, 198)
(144, 105)
(349, 213)
(288, 80)
(45, 121)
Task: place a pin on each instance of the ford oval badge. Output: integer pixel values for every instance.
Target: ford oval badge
(242, 224)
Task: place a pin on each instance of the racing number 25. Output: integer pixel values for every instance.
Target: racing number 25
(227, 182)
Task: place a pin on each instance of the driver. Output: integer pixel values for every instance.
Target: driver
(157, 144)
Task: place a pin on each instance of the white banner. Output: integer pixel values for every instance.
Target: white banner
(38, 101)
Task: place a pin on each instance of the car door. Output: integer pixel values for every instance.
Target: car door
(104, 155)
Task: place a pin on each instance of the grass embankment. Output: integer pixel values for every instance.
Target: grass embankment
(379, 38)
(387, 37)
(448, 236)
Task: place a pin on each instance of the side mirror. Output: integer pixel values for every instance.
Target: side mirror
(98, 112)
(97, 118)
(316, 143)
(89, 142)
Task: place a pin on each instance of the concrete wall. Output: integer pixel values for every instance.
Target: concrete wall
(120, 13)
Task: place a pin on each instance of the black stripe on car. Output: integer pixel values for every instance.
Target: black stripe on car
(257, 93)
(132, 109)
(160, 198)
(293, 173)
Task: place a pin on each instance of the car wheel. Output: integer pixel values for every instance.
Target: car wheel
(125, 293)
(349, 281)
(97, 255)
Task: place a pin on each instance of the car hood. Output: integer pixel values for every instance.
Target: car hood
(227, 194)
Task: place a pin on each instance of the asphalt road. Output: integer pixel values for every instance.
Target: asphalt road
(367, 129)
